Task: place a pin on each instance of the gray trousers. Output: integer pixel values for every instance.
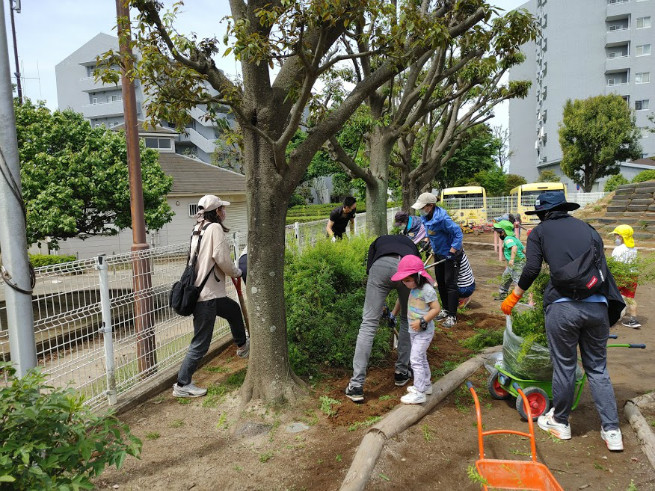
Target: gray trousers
(569, 324)
(378, 286)
(510, 275)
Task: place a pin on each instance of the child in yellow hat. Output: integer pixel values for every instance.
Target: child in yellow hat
(626, 252)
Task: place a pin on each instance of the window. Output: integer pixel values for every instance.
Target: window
(116, 97)
(642, 78)
(544, 23)
(642, 50)
(641, 105)
(94, 100)
(544, 93)
(643, 22)
(153, 142)
(89, 71)
(193, 210)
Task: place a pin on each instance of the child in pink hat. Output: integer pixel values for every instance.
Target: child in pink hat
(422, 308)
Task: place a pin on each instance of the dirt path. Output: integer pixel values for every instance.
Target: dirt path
(207, 444)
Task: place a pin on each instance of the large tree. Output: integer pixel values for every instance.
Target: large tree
(75, 178)
(596, 134)
(284, 46)
(449, 90)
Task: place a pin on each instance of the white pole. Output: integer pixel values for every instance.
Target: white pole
(13, 241)
(107, 327)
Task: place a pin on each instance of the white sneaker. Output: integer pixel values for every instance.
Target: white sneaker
(413, 390)
(547, 423)
(613, 439)
(413, 398)
(441, 316)
(189, 390)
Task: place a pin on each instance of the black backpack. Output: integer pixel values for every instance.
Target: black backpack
(184, 294)
(582, 277)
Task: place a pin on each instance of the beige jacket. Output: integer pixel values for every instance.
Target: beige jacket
(214, 254)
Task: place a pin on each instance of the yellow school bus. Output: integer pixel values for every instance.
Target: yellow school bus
(466, 204)
(522, 198)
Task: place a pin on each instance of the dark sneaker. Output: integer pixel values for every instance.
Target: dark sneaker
(441, 316)
(499, 297)
(244, 350)
(402, 378)
(355, 394)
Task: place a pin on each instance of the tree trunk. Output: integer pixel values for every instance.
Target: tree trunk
(376, 191)
(269, 375)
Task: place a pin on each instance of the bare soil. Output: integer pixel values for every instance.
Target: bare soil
(211, 443)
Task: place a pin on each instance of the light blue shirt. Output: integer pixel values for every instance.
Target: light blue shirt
(597, 298)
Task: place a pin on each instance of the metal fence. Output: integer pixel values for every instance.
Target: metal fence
(84, 315)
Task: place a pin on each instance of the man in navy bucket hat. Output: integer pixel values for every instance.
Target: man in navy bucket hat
(561, 240)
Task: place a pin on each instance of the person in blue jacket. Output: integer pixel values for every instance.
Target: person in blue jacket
(446, 240)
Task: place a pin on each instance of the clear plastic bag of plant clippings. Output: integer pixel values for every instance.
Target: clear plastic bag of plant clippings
(525, 360)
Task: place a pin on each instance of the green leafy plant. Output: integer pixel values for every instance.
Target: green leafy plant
(614, 182)
(475, 476)
(326, 405)
(644, 175)
(265, 457)
(483, 338)
(50, 439)
(325, 286)
(371, 420)
(39, 260)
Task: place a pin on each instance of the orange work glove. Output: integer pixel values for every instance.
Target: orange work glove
(509, 303)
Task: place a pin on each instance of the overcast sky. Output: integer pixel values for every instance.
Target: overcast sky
(48, 31)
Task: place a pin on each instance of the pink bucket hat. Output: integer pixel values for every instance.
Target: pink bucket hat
(409, 265)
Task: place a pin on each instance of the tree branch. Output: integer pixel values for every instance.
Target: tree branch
(347, 162)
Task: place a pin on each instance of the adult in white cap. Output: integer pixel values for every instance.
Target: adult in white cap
(214, 263)
(446, 239)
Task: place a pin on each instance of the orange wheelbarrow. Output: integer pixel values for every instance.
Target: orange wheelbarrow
(512, 474)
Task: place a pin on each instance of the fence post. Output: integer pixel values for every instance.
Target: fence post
(107, 328)
(296, 232)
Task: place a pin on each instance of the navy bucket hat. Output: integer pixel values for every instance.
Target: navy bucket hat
(552, 201)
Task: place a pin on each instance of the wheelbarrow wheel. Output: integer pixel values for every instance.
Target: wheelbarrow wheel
(538, 400)
(495, 389)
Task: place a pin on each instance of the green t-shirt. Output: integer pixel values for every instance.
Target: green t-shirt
(508, 243)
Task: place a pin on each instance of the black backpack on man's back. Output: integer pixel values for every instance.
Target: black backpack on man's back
(184, 294)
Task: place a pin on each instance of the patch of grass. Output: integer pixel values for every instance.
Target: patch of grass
(470, 323)
(310, 417)
(183, 400)
(516, 451)
(384, 397)
(652, 422)
(384, 477)
(153, 435)
(236, 379)
(326, 406)
(427, 436)
(265, 457)
(364, 424)
(483, 338)
(632, 486)
(599, 467)
(178, 423)
(338, 458)
(222, 423)
(475, 476)
(448, 366)
(216, 369)
(238, 468)
(158, 399)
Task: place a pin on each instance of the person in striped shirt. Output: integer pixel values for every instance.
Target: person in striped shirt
(465, 282)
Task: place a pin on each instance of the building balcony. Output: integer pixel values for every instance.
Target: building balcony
(617, 63)
(88, 84)
(108, 109)
(617, 36)
(191, 135)
(617, 7)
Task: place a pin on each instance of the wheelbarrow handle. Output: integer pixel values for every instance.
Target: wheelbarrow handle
(627, 345)
(434, 264)
(613, 336)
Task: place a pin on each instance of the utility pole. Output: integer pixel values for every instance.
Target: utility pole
(15, 5)
(141, 278)
(13, 241)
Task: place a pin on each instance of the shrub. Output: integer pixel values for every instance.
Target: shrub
(483, 338)
(614, 182)
(39, 260)
(646, 175)
(50, 440)
(325, 286)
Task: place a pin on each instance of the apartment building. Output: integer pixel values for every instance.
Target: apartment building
(102, 103)
(586, 48)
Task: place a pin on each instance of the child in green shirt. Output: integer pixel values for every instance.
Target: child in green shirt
(513, 251)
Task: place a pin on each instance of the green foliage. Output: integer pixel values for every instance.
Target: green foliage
(39, 260)
(483, 338)
(615, 181)
(512, 181)
(494, 181)
(75, 178)
(641, 270)
(595, 135)
(326, 405)
(325, 287)
(51, 440)
(644, 175)
(476, 154)
(548, 176)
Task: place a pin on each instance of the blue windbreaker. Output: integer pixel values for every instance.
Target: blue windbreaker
(443, 232)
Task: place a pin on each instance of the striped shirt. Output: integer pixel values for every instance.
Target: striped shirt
(465, 278)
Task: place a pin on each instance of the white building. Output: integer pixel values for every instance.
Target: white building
(586, 48)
